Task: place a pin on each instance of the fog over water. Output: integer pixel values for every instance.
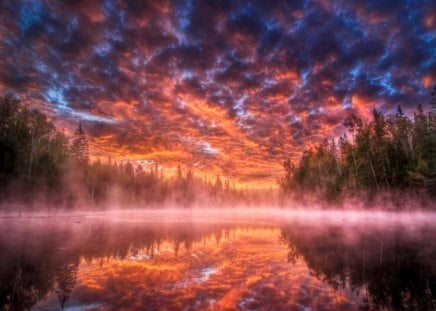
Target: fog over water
(215, 259)
(217, 155)
(240, 215)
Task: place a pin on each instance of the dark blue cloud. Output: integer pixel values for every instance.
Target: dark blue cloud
(276, 67)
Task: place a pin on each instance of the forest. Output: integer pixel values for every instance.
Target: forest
(40, 165)
(389, 160)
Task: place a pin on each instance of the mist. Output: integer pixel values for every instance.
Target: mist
(42, 168)
(217, 155)
(197, 257)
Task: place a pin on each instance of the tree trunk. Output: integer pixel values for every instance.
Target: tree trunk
(373, 172)
(32, 151)
(355, 167)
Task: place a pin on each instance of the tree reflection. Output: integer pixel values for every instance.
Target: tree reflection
(65, 281)
(41, 259)
(392, 268)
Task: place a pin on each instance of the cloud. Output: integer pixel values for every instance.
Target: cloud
(221, 85)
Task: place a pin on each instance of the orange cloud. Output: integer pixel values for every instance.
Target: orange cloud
(236, 268)
(428, 81)
(363, 106)
(222, 89)
(430, 21)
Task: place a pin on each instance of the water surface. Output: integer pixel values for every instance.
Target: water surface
(233, 259)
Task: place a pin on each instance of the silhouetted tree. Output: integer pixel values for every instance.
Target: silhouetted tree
(385, 154)
(65, 281)
(79, 147)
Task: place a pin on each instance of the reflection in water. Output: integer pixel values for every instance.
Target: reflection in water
(38, 258)
(99, 264)
(396, 265)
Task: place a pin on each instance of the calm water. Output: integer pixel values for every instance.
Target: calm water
(215, 260)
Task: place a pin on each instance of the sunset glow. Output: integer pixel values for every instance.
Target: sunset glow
(229, 88)
(217, 155)
(238, 267)
(207, 260)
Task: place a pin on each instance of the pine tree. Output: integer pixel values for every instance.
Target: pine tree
(218, 183)
(80, 148)
(179, 173)
(189, 176)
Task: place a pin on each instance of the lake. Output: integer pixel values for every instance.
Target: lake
(233, 259)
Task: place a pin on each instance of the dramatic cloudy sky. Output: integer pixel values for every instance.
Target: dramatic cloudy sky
(228, 87)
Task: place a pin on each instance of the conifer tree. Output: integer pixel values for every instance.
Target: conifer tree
(79, 147)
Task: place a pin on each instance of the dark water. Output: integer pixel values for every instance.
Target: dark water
(218, 261)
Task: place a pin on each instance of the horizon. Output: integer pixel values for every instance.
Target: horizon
(229, 88)
(217, 155)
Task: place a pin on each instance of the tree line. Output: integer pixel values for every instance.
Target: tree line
(41, 165)
(388, 157)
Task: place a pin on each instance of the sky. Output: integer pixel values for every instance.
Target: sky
(219, 87)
